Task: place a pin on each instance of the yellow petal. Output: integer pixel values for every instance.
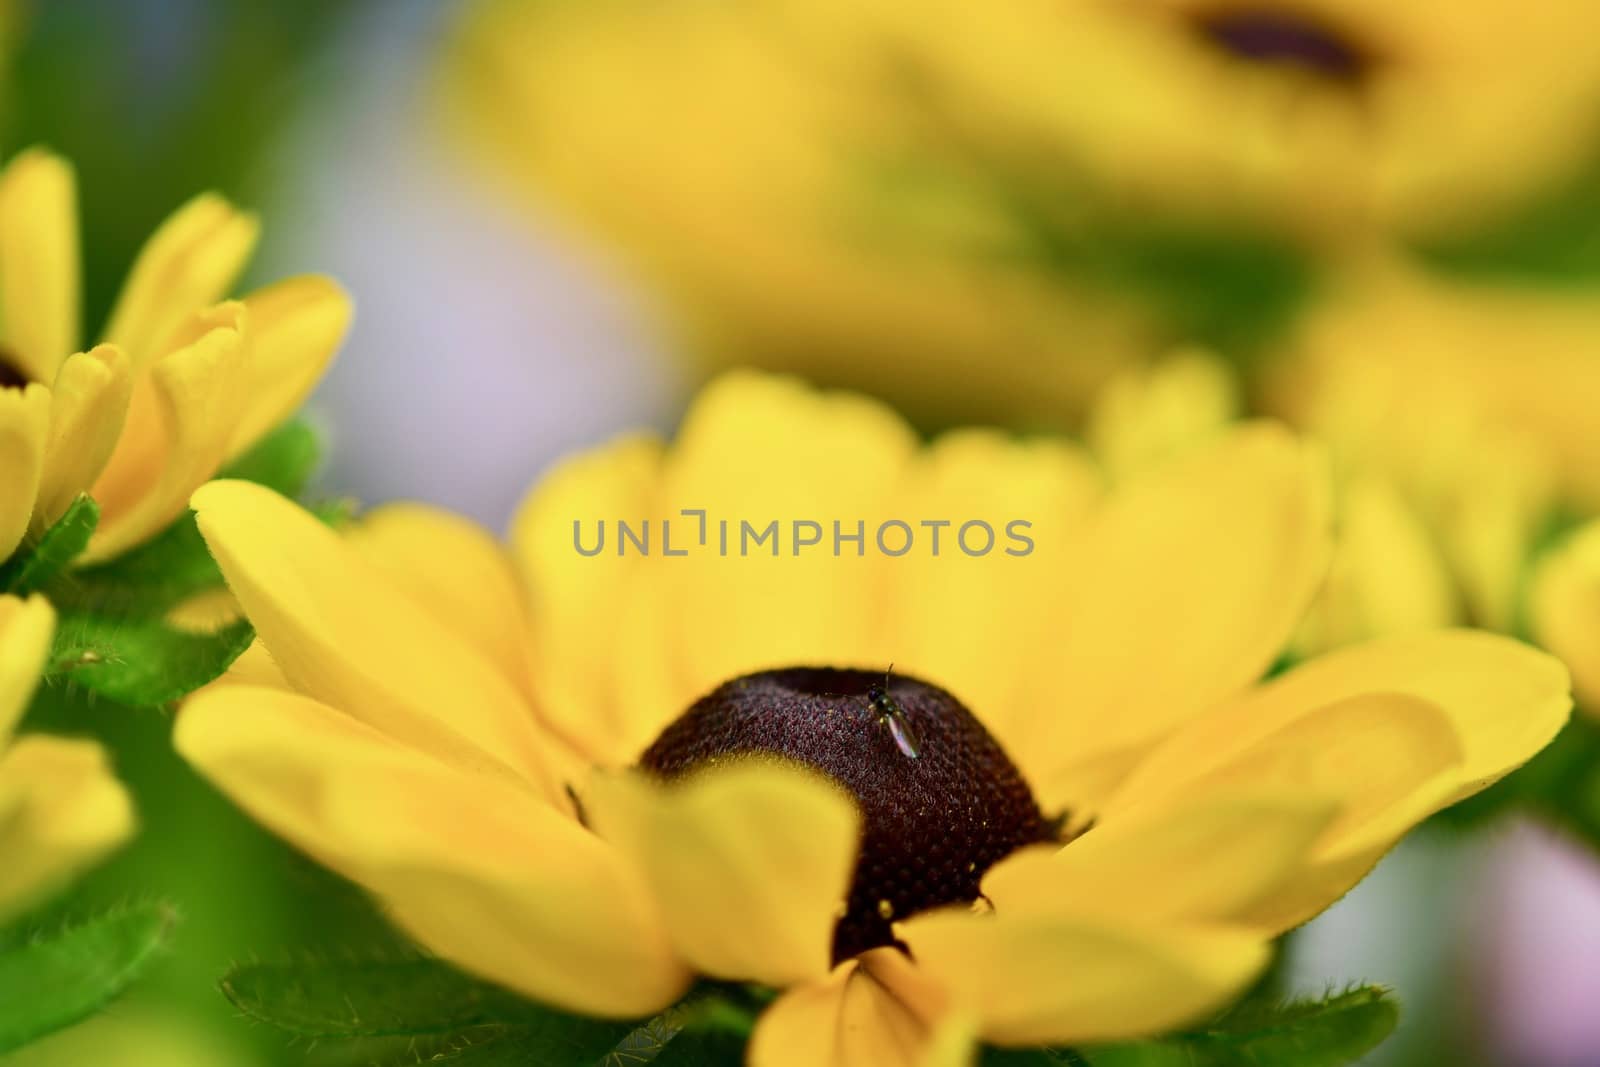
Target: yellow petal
(979, 624)
(1040, 978)
(38, 262)
(188, 264)
(254, 666)
(750, 863)
(341, 632)
(762, 450)
(1503, 700)
(851, 1018)
(1565, 606)
(179, 419)
(1210, 858)
(1148, 415)
(574, 603)
(91, 397)
(480, 869)
(1204, 566)
(61, 809)
(24, 429)
(26, 629)
(1388, 577)
(1390, 760)
(455, 570)
(296, 325)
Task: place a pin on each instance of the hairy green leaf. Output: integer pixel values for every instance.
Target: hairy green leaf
(366, 999)
(141, 662)
(54, 980)
(1330, 1032)
(60, 545)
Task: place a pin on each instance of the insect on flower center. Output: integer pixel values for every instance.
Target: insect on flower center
(940, 800)
(1284, 38)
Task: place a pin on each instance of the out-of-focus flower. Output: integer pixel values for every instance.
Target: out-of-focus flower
(794, 215)
(60, 806)
(1326, 114)
(1150, 414)
(1387, 575)
(180, 383)
(1474, 402)
(496, 744)
(1565, 610)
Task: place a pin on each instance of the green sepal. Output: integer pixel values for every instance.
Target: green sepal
(32, 567)
(284, 460)
(141, 662)
(1328, 1032)
(52, 980)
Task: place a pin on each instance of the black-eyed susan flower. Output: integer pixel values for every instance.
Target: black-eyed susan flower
(182, 380)
(1471, 402)
(790, 213)
(1324, 113)
(60, 806)
(591, 766)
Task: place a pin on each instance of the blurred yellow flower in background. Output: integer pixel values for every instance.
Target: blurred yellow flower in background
(1324, 114)
(180, 383)
(496, 744)
(61, 808)
(1472, 402)
(793, 217)
(1565, 610)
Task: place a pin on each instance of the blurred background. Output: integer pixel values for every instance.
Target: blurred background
(558, 216)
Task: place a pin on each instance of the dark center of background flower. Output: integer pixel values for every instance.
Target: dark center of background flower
(10, 376)
(934, 822)
(1286, 38)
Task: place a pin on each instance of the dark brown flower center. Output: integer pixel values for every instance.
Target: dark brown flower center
(934, 821)
(1285, 38)
(10, 376)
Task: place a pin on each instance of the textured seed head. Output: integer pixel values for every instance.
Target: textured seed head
(933, 823)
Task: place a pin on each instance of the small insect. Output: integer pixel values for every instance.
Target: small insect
(894, 717)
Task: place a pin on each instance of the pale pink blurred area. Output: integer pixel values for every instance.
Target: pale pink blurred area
(482, 349)
(1537, 966)
(1406, 927)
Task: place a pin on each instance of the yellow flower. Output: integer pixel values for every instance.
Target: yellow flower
(60, 806)
(1565, 610)
(1322, 113)
(497, 743)
(180, 383)
(793, 217)
(1473, 401)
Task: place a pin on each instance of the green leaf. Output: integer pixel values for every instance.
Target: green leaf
(59, 546)
(284, 460)
(1330, 1032)
(141, 662)
(459, 1019)
(367, 999)
(54, 980)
